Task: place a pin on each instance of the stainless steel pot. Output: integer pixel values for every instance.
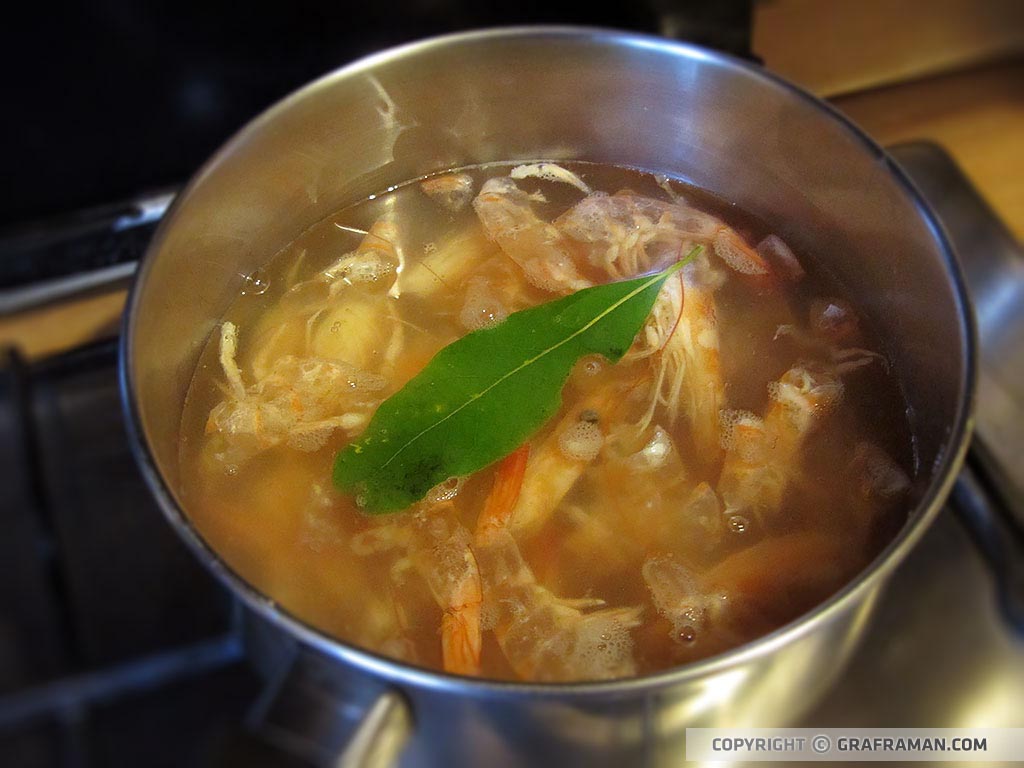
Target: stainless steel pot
(563, 94)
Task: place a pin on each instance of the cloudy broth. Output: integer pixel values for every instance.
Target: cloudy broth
(744, 460)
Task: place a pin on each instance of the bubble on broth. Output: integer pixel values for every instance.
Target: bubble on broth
(364, 380)
(687, 634)
(255, 284)
(738, 523)
(680, 596)
(445, 491)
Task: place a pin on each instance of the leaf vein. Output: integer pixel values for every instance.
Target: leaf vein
(661, 276)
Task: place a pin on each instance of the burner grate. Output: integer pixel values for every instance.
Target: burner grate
(116, 647)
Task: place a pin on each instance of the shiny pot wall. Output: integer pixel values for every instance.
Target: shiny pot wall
(566, 94)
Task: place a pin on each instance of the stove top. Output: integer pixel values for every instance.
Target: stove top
(115, 655)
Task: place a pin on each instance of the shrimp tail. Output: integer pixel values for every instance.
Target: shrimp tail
(508, 483)
(461, 638)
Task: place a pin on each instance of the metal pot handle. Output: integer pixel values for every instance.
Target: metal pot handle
(381, 736)
(327, 717)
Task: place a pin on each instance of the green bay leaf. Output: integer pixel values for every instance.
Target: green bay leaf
(483, 395)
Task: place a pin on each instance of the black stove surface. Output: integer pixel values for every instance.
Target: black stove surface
(116, 647)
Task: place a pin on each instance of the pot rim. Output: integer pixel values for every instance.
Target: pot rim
(395, 672)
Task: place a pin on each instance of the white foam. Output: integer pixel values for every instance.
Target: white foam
(729, 419)
(806, 392)
(581, 442)
(735, 257)
(588, 221)
(604, 647)
(490, 612)
(309, 440)
(482, 308)
(366, 267)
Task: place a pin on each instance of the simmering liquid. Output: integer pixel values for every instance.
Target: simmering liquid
(744, 460)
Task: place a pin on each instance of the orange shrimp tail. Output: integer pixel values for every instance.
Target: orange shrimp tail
(461, 639)
(508, 482)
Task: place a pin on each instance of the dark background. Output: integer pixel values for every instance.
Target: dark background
(112, 98)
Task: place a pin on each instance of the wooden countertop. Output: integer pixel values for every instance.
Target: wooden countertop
(977, 115)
